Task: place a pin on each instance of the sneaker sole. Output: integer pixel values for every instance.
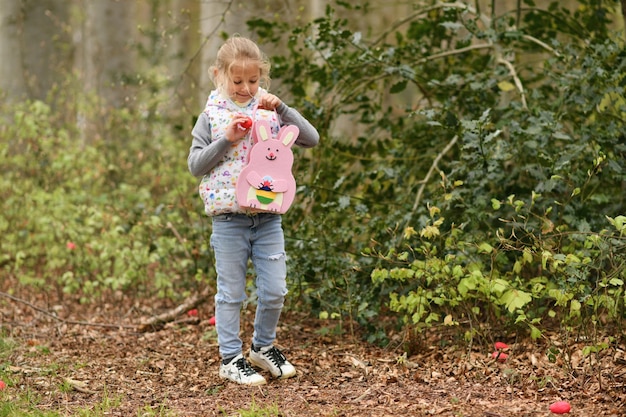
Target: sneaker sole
(266, 368)
(249, 384)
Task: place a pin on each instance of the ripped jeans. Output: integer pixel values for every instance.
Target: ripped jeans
(235, 239)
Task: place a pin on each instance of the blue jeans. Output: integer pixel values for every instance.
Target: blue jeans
(235, 239)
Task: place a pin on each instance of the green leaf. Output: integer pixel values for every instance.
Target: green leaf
(515, 299)
(485, 248)
(398, 87)
(535, 333)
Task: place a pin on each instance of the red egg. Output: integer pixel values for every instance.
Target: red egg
(560, 407)
(212, 321)
(501, 346)
(193, 313)
(500, 356)
(247, 124)
(3, 385)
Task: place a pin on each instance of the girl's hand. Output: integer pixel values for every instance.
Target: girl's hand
(238, 128)
(269, 102)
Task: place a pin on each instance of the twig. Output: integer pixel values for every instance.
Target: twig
(362, 396)
(157, 322)
(456, 51)
(445, 150)
(179, 237)
(47, 313)
(518, 82)
(424, 182)
(542, 44)
(428, 9)
(79, 386)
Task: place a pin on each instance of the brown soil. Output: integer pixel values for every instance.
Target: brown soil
(173, 371)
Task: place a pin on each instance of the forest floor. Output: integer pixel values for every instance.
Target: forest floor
(71, 366)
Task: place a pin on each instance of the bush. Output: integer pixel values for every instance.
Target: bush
(87, 217)
(507, 160)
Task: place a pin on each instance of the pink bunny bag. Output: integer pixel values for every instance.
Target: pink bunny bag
(266, 182)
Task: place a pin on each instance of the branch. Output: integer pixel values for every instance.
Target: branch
(456, 51)
(425, 10)
(179, 237)
(518, 82)
(157, 322)
(542, 44)
(445, 150)
(51, 315)
(424, 182)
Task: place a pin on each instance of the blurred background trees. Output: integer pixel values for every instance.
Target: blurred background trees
(110, 45)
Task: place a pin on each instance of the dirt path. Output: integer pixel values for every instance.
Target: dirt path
(174, 372)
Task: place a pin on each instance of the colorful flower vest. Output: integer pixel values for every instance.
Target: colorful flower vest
(217, 189)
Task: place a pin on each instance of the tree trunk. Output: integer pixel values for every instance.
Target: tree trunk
(45, 45)
(12, 83)
(214, 16)
(171, 42)
(185, 71)
(624, 15)
(105, 56)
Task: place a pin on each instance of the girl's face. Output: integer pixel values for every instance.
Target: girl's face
(243, 82)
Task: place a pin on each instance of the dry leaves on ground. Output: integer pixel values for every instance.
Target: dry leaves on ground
(74, 366)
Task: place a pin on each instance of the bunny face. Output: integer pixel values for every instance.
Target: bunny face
(266, 183)
(272, 155)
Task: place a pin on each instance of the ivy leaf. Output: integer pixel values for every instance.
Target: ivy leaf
(398, 87)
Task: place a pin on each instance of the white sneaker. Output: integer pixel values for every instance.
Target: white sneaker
(240, 371)
(271, 359)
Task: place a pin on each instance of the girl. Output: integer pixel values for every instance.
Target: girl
(221, 141)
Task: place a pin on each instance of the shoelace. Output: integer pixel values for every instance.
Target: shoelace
(276, 356)
(244, 367)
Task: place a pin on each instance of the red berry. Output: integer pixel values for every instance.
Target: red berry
(247, 124)
(212, 321)
(2, 385)
(560, 407)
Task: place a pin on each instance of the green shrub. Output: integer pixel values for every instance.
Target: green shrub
(98, 215)
(510, 129)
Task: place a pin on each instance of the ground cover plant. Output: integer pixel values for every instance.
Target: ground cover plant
(468, 190)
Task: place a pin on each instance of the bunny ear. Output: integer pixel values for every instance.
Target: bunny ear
(262, 131)
(288, 135)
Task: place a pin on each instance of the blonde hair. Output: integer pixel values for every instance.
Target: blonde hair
(237, 49)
